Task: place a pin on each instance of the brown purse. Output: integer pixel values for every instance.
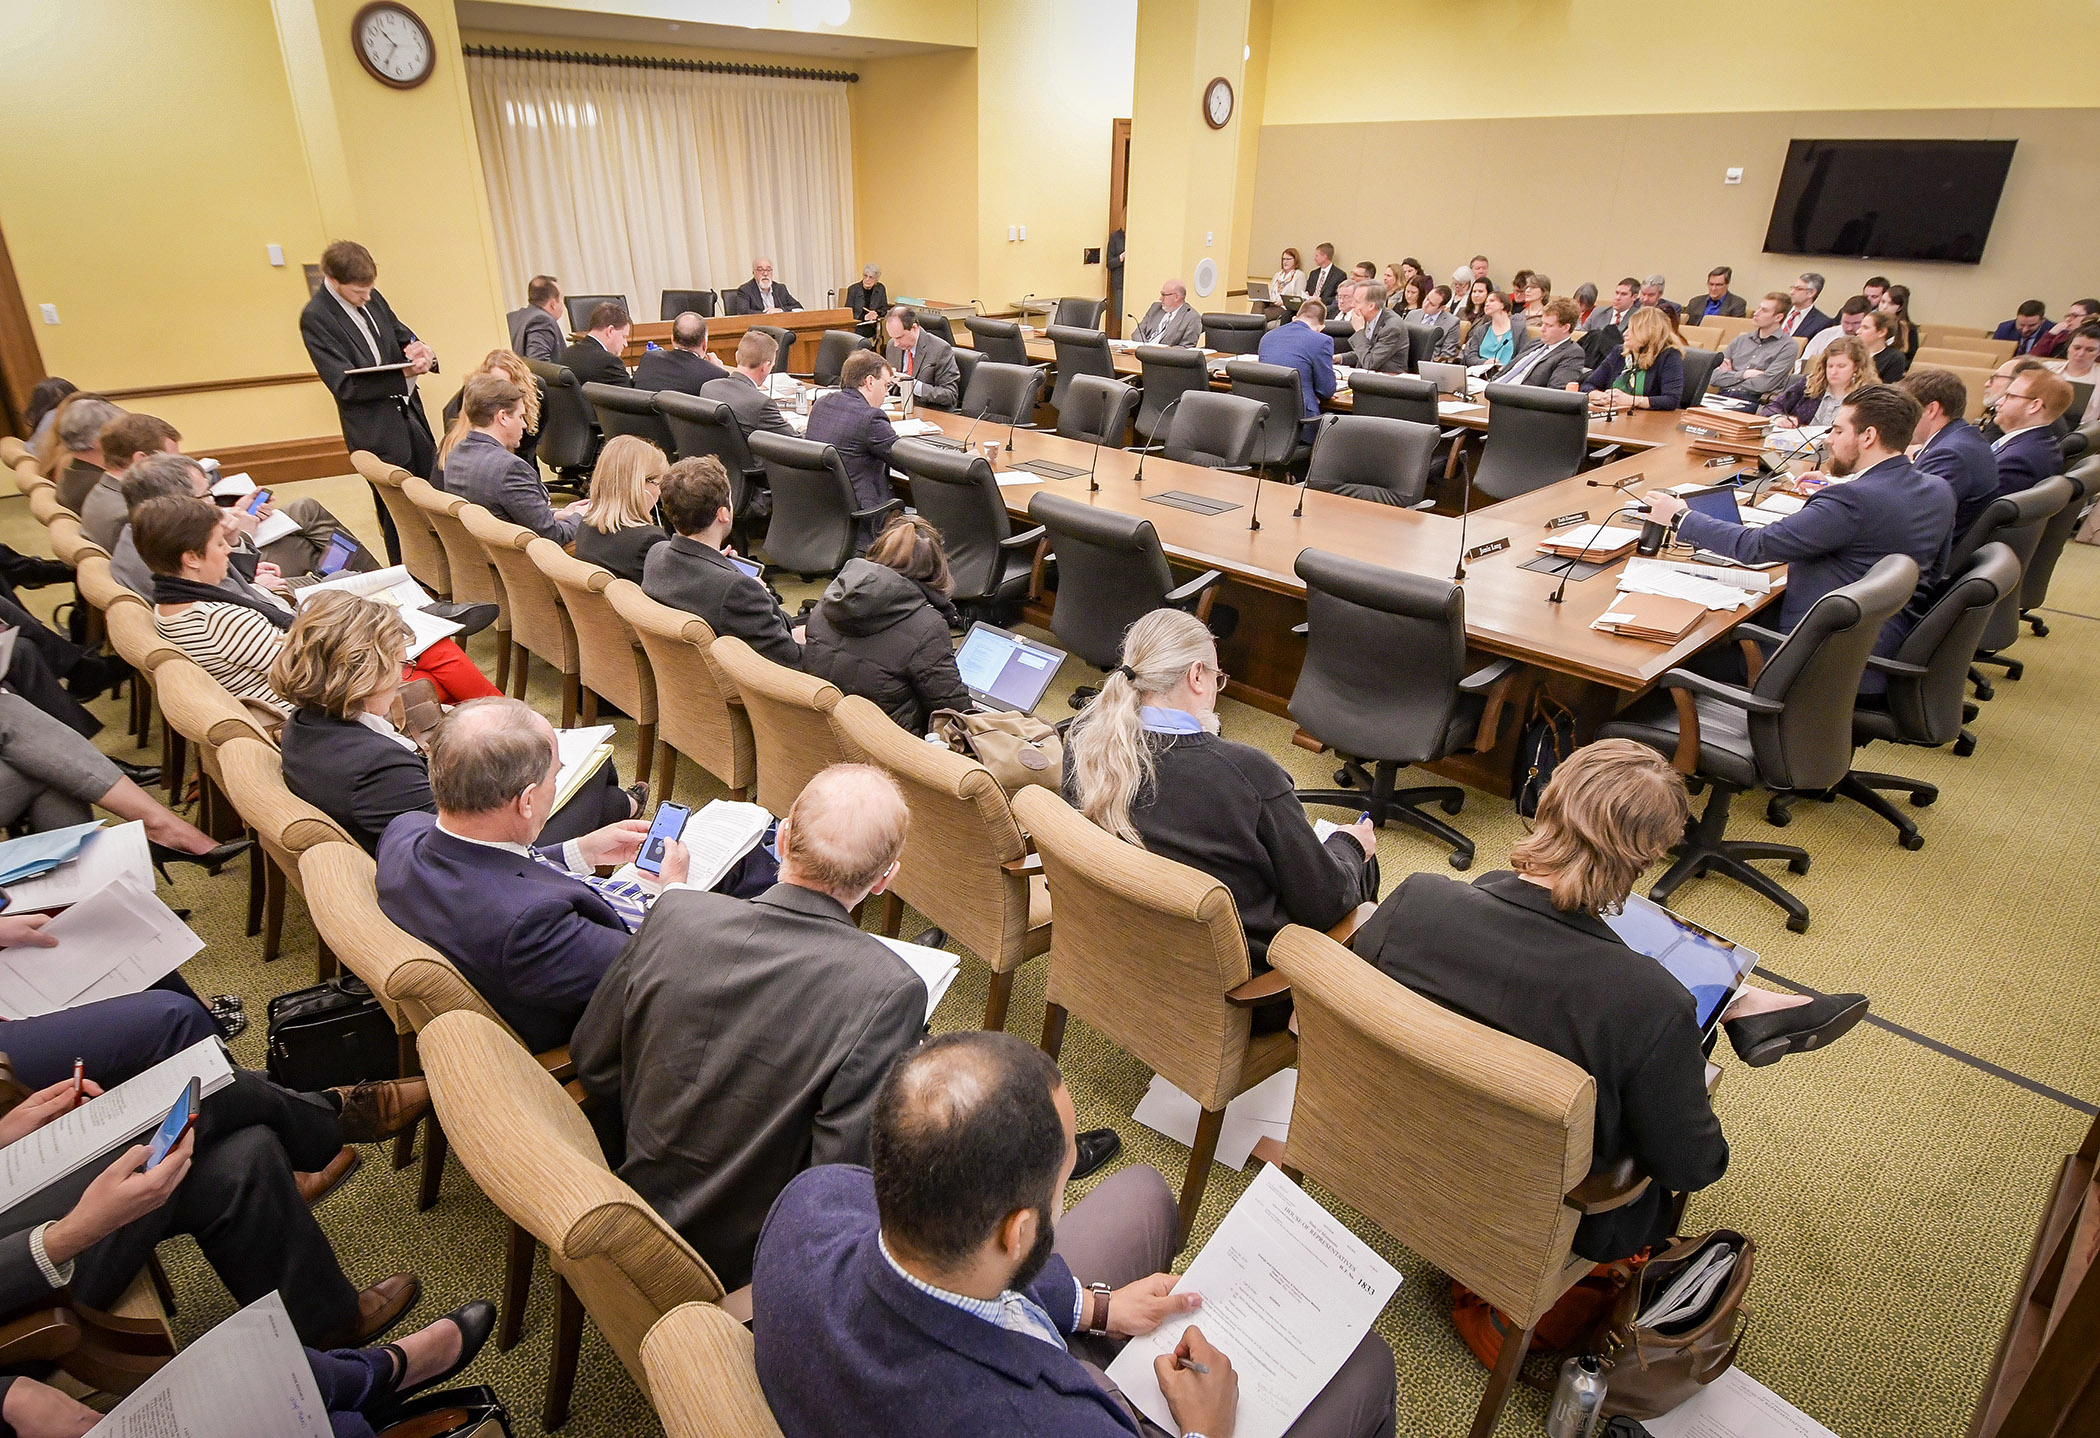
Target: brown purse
(1019, 749)
(1652, 1371)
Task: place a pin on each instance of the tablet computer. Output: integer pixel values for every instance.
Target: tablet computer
(1716, 503)
(750, 566)
(1711, 967)
(1448, 378)
(1003, 670)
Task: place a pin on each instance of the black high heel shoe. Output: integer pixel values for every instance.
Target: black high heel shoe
(475, 1322)
(211, 860)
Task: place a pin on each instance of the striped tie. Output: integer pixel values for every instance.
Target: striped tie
(630, 901)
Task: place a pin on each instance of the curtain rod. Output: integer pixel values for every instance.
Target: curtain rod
(644, 62)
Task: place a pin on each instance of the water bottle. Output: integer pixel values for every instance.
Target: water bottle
(802, 399)
(1578, 1402)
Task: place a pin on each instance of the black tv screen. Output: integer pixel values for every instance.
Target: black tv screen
(1889, 199)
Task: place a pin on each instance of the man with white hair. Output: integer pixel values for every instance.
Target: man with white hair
(80, 431)
(1170, 321)
(1652, 298)
(759, 295)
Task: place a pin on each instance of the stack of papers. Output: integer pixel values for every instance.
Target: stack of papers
(1735, 1405)
(1650, 616)
(397, 587)
(1263, 1111)
(119, 940)
(35, 854)
(247, 1378)
(1691, 1294)
(1006, 477)
(1595, 542)
(913, 428)
(936, 968)
(1772, 507)
(1449, 407)
(580, 751)
(106, 856)
(1704, 584)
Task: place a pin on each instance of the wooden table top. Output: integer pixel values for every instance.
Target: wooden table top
(723, 331)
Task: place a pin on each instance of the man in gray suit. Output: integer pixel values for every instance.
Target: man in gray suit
(1555, 360)
(923, 358)
(1380, 341)
(485, 468)
(743, 391)
(1171, 321)
(537, 331)
(742, 1041)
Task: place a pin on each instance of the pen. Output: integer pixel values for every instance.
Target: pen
(79, 1072)
(1366, 814)
(1193, 1366)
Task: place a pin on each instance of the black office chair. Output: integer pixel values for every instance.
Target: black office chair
(1394, 396)
(1111, 572)
(1234, 334)
(568, 431)
(580, 307)
(1218, 431)
(1698, 372)
(784, 338)
(2077, 444)
(832, 350)
(673, 303)
(814, 511)
(2017, 521)
(1927, 680)
(998, 339)
(708, 426)
(1079, 314)
(1097, 410)
(1421, 344)
(1078, 352)
(966, 362)
(1002, 393)
(1384, 683)
(1166, 372)
(936, 323)
(1340, 331)
(1790, 729)
(2034, 585)
(1279, 446)
(1386, 461)
(958, 494)
(1535, 437)
(622, 409)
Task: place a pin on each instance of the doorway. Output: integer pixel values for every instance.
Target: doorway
(1118, 203)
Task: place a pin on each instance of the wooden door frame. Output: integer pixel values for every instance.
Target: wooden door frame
(21, 363)
(1118, 210)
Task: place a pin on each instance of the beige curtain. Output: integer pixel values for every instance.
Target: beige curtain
(635, 181)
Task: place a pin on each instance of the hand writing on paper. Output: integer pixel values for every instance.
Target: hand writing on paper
(1206, 1403)
(421, 359)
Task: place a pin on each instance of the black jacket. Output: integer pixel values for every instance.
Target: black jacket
(623, 551)
(880, 635)
(380, 412)
(860, 299)
(688, 575)
(593, 363)
(749, 302)
(528, 445)
(1497, 951)
(680, 370)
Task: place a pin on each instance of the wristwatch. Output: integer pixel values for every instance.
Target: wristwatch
(1099, 1327)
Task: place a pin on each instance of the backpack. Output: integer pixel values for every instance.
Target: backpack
(1548, 738)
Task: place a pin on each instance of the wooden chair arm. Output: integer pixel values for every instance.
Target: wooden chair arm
(1355, 919)
(1035, 570)
(737, 1304)
(1686, 759)
(1607, 1189)
(1026, 864)
(1496, 679)
(1262, 989)
(42, 1335)
(1753, 656)
(558, 1063)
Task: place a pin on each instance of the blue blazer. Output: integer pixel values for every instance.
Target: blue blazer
(1665, 380)
(506, 486)
(1835, 538)
(533, 942)
(845, 1345)
(2022, 344)
(2028, 457)
(862, 435)
(1311, 353)
(1963, 458)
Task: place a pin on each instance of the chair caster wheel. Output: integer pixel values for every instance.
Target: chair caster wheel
(1778, 815)
(2041, 630)
(2014, 670)
(1344, 778)
(1965, 746)
(1924, 799)
(1913, 842)
(1452, 806)
(1461, 861)
(1799, 926)
(1986, 692)
(1798, 866)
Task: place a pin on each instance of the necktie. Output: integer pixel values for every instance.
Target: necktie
(629, 901)
(1791, 320)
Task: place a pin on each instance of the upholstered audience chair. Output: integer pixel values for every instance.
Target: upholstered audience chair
(473, 578)
(539, 622)
(703, 1377)
(611, 663)
(422, 551)
(285, 825)
(698, 713)
(790, 714)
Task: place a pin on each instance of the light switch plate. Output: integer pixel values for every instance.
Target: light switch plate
(1735, 175)
(50, 313)
(276, 255)
(1024, 232)
(1013, 232)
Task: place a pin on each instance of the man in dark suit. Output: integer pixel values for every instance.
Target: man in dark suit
(1380, 342)
(1324, 280)
(1803, 320)
(1718, 299)
(691, 570)
(923, 357)
(536, 330)
(743, 389)
(778, 1009)
(686, 365)
(2026, 328)
(348, 325)
(1171, 319)
(760, 296)
(869, 300)
(595, 357)
(1952, 450)
(483, 466)
(851, 420)
(80, 431)
(940, 1294)
(2027, 448)
(1556, 361)
(1302, 345)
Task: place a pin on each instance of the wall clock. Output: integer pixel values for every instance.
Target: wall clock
(1217, 103)
(393, 44)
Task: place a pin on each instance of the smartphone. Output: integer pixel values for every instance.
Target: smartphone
(256, 501)
(340, 547)
(180, 1120)
(668, 825)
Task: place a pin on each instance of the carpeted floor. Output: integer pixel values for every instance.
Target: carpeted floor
(1892, 1189)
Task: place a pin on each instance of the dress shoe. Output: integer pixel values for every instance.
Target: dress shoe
(229, 1014)
(212, 860)
(95, 675)
(475, 1322)
(379, 1109)
(1096, 1147)
(1764, 1039)
(379, 1308)
(638, 798)
(313, 1187)
(26, 571)
(143, 775)
(471, 618)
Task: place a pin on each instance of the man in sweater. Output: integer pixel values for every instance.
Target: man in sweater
(1757, 362)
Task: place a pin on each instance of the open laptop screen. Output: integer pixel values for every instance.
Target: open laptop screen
(1004, 670)
(1712, 967)
(1717, 503)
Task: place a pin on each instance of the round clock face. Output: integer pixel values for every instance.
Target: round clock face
(1217, 103)
(394, 45)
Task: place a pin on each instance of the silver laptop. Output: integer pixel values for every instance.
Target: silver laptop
(1712, 967)
(1004, 670)
(1258, 291)
(1449, 379)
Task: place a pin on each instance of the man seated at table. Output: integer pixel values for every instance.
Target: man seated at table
(1851, 314)
(484, 466)
(744, 388)
(595, 356)
(1436, 314)
(925, 359)
(537, 330)
(850, 419)
(1556, 361)
(1171, 320)
(1302, 346)
(1757, 363)
(759, 295)
(2026, 328)
(2027, 446)
(1380, 341)
(779, 1009)
(686, 365)
(1948, 447)
(939, 1295)
(691, 570)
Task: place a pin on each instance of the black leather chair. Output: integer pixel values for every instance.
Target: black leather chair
(936, 323)
(1394, 396)
(1002, 393)
(1078, 352)
(1166, 372)
(966, 362)
(998, 339)
(580, 307)
(1276, 386)
(1111, 572)
(673, 303)
(1234, 334)
(622, 409)
(1927, 680)
(1340, 331)
(1421, 344)
(1218, 431)
(1698, 373)
(1385, 683)
(958, 494)
(1790, 729)
(814, 511)
(1075, 313)
(832, 350)
(2077, 444)
(568, 432)
(2017, 521)
(1097, 410)
(1535, 437)
(2034, 585)
(784, 338)
(707, 426)
(1386, 461)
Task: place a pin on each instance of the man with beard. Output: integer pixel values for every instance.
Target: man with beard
(941, 1294)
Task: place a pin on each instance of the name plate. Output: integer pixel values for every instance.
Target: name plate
(1564, 520)
(1482, 551)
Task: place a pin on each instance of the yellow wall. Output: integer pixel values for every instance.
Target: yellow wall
(923, 22)
(915, 200)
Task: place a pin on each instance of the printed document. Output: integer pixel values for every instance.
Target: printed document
(936, 968)
(247, 1378)
(119, 940)
(395, 586)
(1735, 1405)
(108, 854)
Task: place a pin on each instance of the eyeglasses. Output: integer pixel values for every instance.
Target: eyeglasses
(2017, 394)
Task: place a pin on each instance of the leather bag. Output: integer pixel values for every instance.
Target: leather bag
(1019, 749)
(1653, 1371)
(1548, 738)
(329, 1035)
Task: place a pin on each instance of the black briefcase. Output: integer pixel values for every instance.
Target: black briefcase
(331, 1034)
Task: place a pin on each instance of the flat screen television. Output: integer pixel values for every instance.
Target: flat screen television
(1889, 199)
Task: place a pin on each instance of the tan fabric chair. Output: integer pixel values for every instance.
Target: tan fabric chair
(285, 825)
(68, 543)
(198, 707)
(698, 712)
(703, 1376)
(539, 624)
(1469, 1146)
(422, 552)
(467, 565)
(524, 1142)
(12, 451)
(99, 589)
(1955, 357)
(614, 668)
(964, 856)
(137, 641)
(44, 505)
(1973, 380)
(1150, 952)
(790, 715)
(1960, 338)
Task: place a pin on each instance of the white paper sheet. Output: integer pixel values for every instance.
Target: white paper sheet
(936, 968)
(395, 586)
(1288, 1293)
(1735, 1405)
(719, 833)
(1009, 477)
(234, 486)
(246, 1378)
(275, 525)
(107, 855)
(119, 940)
(1263, 1111)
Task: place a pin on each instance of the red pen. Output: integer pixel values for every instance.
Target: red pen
(79, 1073)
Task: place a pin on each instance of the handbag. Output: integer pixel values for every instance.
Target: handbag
(454, 1413)
(1019, 749)
(331, 1035)
(1655, 1369)
(1548, 738)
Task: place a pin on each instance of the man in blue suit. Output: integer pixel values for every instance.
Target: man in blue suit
(850, 419)
(1306, 348)
(936, 1296)
(2026, 328)
(1884, 506)
(2027, 448)
(1950, 447)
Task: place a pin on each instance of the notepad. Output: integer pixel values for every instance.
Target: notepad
(581, 752)
(246, 1378)
(717, 835)
(936, 968)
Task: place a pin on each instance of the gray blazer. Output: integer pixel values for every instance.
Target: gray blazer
(936, 377)
(1560, 367)
(481, 470)
(753, 407)
(535, 334)
(1185, 329)
(1526, 340)
(1445, 324)
(1381, 345)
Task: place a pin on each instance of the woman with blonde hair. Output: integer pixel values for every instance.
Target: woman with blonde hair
(1646, 371)
(1146, 763)
(619, 525)
(881, 629)
(508, 366)
(1829, 378)
(340, 670)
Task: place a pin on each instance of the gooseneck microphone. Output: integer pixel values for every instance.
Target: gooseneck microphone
(1014, 421)
(1465, 508)
(1159, 430)
(1560, 590)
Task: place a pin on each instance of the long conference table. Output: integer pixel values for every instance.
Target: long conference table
(1507, 608)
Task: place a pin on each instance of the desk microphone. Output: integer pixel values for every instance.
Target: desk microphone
(1093, 485)
(1560, 590)
(1159, 429)
(1465, 509)
(1254, 516)
(1041, 373)
(1616, 484)
(1326, 422)
(973, 424)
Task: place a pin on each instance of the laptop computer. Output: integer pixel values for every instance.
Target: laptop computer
(1005, 671)
(1449, 379)
(1258, 291)
(1716, 503)
(1711, 967)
